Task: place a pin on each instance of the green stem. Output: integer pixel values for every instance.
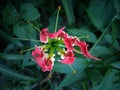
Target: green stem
(56, 23)
(102, 35)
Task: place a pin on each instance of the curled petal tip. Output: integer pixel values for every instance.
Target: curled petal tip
(64, 27)
(98, 59)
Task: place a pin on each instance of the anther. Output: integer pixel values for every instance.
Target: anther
(21, 52)
(59, 7)
(74, 72)
(87, 36)
(49, 76)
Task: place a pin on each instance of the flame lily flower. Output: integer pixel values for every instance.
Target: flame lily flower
(53, 43)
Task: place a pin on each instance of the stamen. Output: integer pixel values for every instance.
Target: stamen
(62, 46)
(53, 55)
(59, 7)
(46, 55)
(77, 51)
(60, 50)
(59, 53)
(22, 51)
(50, 74)
(53, 59)
(74, 71)
(62, 56)
(73, 44)
(87, 36)
(59, 38)
(56, 23)
(26, 39)
(33, 26)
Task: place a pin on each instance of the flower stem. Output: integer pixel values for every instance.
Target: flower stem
(56, 23)
(102, 35)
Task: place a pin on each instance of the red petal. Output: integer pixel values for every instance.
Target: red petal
(69, 58)
(84, 49)
(56, 34)
(43, 35)
(67, 40)
(39, 62)
(48, 65)
(68, 43)
(37, 53)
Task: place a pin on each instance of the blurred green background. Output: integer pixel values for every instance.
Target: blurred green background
(100, 19)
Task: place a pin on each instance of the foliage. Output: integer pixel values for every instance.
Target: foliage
(98, 19)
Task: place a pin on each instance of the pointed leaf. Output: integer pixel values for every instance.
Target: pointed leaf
(29, 12)
(11, 73)
(83, 32)
(11, 56)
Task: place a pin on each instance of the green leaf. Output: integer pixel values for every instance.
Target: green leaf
(108, 38)
(116, 4)
(116, 64)
(20, 31)
(8, 48)
(79, 63)
(11, 56)
(116, 86)
(101, 51)
(107, 82)
(36, 3)
(31, 32)
(27, 60)
(11, 73)
(69, 11)
(10, 14)
(9, 38)
(101, 12)
(24, 31)
(114, 33)
(94, 75)
(95, 20)
(71, 78)
(29, 12)
(113, 58)
(83, 32)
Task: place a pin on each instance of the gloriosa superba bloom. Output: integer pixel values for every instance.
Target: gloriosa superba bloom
(63, 44)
